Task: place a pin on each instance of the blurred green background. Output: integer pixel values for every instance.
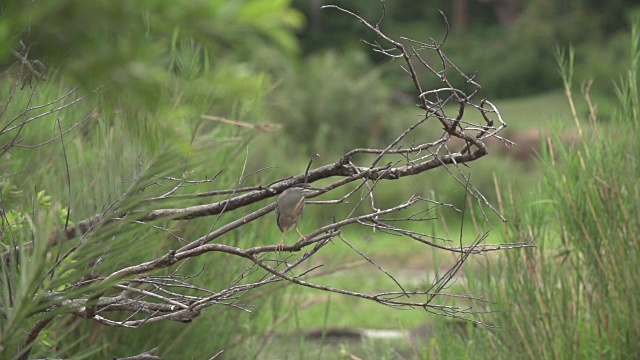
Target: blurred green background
(300, 80)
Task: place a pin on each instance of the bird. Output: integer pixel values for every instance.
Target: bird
(289, 207)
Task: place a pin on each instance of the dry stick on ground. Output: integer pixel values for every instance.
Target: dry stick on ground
(145, 297)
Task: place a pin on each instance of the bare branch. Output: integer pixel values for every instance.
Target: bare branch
(157, 289)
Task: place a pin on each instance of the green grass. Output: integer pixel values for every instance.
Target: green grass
(576, 294)
(411, 262)
(546, 110)
(303, 310)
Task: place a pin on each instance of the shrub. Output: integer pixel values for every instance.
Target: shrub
(332, 101)
(576, 295)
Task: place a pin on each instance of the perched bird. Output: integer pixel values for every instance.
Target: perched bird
(289, 207)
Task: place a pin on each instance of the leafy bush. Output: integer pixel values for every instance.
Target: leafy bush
(576, 295)
(112, 150)
(332, 101)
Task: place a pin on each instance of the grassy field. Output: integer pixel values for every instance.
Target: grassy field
(303, 311)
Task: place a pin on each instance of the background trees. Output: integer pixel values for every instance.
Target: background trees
(521, 36)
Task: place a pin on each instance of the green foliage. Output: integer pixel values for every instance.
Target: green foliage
(333, 102)
(103, 158)
(186, 60)
(128, 43)
(10, 194)
(328, 29)
(16, 218)
(576, 294)
(509, 60)
(523, 52)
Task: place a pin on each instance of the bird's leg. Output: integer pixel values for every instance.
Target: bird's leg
(299, 233)
(280, 246)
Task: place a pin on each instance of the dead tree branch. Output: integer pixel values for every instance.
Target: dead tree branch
(157, 289)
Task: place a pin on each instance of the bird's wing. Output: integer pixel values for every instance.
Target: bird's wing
(299, 207)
